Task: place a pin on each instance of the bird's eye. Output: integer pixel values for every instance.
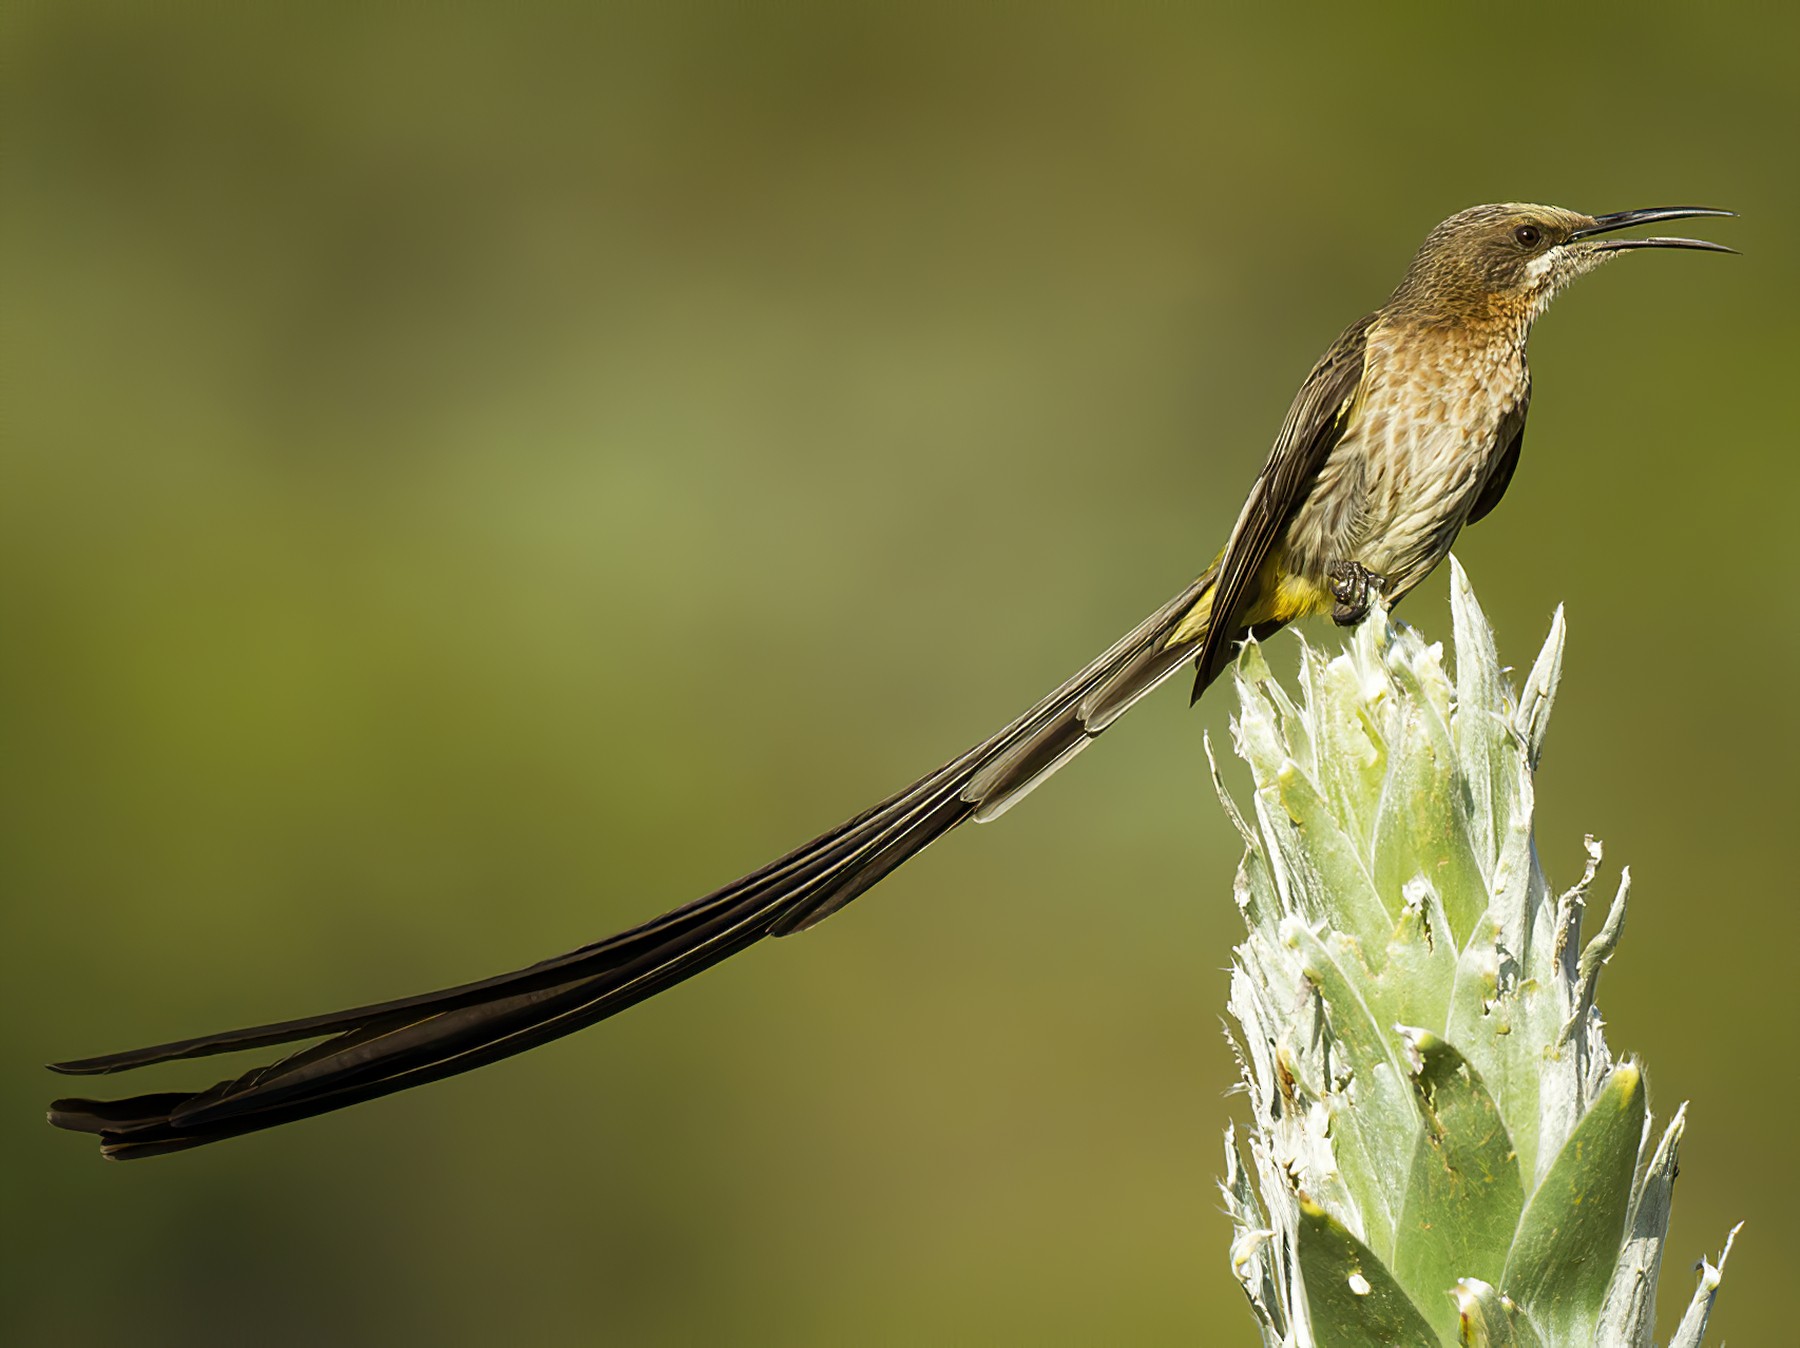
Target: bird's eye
(1528, 236)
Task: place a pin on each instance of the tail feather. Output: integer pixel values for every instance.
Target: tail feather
(374, 1050)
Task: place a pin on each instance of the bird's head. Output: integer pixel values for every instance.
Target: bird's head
(1507, 262)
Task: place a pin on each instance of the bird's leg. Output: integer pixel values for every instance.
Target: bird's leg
(1354, 587)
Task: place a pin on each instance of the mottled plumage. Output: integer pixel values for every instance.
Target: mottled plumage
(1407, 429)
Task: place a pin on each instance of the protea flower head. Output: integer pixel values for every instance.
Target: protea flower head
(1442, 1149)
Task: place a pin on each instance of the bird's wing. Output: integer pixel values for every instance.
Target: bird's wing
(1512, 436)
(1317, 420)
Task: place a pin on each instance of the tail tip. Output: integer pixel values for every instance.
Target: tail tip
(75, 1116)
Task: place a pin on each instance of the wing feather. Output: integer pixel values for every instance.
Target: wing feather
(1315, 422)
(1512, 435)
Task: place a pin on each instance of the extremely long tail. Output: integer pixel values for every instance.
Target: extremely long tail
(371, 1051)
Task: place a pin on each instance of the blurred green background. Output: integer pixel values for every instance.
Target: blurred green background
(476, 476)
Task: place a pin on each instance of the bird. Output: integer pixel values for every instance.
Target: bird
(1408, 428)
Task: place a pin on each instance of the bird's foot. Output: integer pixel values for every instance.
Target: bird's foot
(1354, 587)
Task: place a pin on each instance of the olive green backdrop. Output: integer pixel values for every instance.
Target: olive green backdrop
(476, 476)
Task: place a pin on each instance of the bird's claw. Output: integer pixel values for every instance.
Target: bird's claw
(1354, 587)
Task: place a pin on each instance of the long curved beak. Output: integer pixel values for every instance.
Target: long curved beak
(1606, 224)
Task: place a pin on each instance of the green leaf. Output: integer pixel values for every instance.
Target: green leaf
(1374, 1129)
(1629, 1313)
(1464, 1197)
(1422, 824)
(1319, 844)
(1568, 1241)
(1539, 695)
(1354, 1300)
(1504, 1034)
(1419, 967)
(1481, 721)
(1351, 753)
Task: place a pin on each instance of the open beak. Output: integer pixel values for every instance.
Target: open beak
(1606, 224)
